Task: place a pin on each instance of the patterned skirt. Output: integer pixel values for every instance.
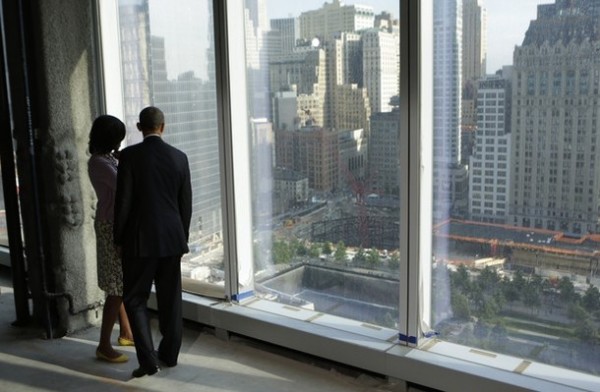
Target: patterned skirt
(110, 273)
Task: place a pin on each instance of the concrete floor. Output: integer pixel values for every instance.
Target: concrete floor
(29, 362)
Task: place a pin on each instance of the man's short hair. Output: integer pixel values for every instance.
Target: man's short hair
(151, 118)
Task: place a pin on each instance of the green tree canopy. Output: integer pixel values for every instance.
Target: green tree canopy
(340, 252)
(566, 290)
(327, 248)
(591, 299)
(360, 257)
(373, 257)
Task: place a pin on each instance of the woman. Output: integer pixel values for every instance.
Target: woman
(105, 137)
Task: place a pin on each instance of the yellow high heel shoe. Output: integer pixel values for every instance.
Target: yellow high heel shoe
(125, 342)
(120, 359)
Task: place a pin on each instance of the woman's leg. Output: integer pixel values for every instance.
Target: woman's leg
(124, 326)
(109, 317)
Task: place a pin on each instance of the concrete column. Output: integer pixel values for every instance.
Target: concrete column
(66, 100)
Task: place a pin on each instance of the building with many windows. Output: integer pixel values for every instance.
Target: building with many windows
(335, 17)
(555, 118)
(449, 197)
(489, 180)
(312, 151)
(381, 67)
(384, 144)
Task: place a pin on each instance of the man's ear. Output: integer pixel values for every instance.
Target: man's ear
(162, 127)
(139, 127)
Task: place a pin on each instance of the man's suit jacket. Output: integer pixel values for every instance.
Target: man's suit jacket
(153, 204)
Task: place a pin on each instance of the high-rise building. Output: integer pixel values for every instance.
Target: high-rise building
(489, 180)
(290, 189)
(284, 31)
(381, 67)
(134, 28)
(474, 55)
(189, 104)
(191, 125)
(384, 147)
(352, 152)
(556, 108)
(474, 40)
(257, 58)
(334, 18)
(303, 72)
(312, 151)
(350, 108)
(447, 68)
(450, 184)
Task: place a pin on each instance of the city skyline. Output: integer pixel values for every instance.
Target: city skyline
(506, 28)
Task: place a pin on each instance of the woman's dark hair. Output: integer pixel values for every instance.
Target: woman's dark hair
(106, 134)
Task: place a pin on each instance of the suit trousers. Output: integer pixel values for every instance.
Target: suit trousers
(138, 275)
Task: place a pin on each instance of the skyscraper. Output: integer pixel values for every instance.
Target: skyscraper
(447, 55)
(450, 185)
(381, 67)
(489, 184)
(135, 62)
(474, 40)
(556, 107)
(384, 147)
(285, 33)
(189, 104)
(257, 58)
(334, 18)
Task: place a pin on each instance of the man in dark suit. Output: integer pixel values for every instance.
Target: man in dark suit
(153, 209)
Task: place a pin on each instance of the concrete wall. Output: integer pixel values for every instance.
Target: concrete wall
(66, 97)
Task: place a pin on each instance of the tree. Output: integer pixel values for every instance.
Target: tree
(301, 249)
(566, 290)
(519, 281)
(460, 306)
(489, 309)
(360, 257)
(489, 279)
(340, 252)
(460, 279)
(373, 257)
(510, 291)
(281, 253)
(327, 248)
(314, 251)
(591, 299)
(531, 296)
(586, 331)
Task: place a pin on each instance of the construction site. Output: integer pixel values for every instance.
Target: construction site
(544, 252)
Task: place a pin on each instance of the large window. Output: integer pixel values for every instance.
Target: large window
(465, 228)
(323, 98)
(515, 264)
(167, 59)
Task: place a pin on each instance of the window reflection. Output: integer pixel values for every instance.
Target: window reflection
(323, 82)
(168, 60)
(515, 237)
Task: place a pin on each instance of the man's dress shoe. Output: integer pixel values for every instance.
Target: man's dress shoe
(142, 371)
